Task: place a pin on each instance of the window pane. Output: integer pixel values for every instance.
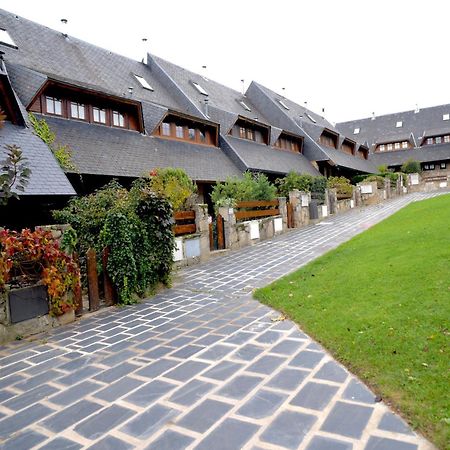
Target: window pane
(389, 146)
(250, 134)
(438, 140)
(58, 107)
(74, 110)
(446, 138)
(102, 116)
(191, 134)
(49, 105)
(202, 136)
(242, 133)
(179, 132)
(404, 144)
(166, 129)
(81, 111)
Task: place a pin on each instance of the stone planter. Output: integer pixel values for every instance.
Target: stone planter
(27, 303)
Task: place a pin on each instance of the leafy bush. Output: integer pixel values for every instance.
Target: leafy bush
(318, 187)
(411, 166)
(249, 187)
(342, 186)
(39, 253)
(136, 225)
(173, 184)
(294, 180)
(359, 178)
(378, 178)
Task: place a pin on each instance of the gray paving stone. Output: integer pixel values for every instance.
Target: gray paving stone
(391, 422)
(157, 368)
(61, 443)
(171, 440)
(104, 421)
(24, 441)
(239, 386)
(205, 415)
(44, 377)
(79, 375)
(191, 392)
(307, 359)
(266, 364)
(240, 338)
(19, 421)
(187, 351)
(157, 352)
(287, 347)
(357, 392)
(288, 429)
(74, 393)
(248, 352)
(324, 443)
(117, 358)
(379, 443)
(113, 374)
(314, 396)
(288, 379)
(315, 346)
(5, 395)
(149, 344)
(208, 339)
(186, 370)
(71, 415)
(269, 337)
(216, 352)
(118, 389)
(149, 393)
(347, 419)
(148, 422)
(28, 398)
(223, 371)
(262, 404)
(111, 443)
(332, 371)
(231, 434)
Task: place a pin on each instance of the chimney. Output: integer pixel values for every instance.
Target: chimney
(417, 109)
(373, 116)
(243, 87)
(64, 28)
(144, 50)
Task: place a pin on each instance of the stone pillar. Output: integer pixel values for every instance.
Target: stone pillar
(387, 188)
(356, 196)
(283, 212)
(229, 224)
(295, 199)
(202, 224)
(332, 200)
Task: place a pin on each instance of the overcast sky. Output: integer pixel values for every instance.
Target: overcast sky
(350, 57)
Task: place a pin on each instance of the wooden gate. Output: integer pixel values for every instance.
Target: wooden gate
(290, 215)
(216, 234)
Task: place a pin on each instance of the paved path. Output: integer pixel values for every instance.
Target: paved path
(202, 366)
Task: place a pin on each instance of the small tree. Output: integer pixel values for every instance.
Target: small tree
(411, 166)
(294, 180)
(14, 174)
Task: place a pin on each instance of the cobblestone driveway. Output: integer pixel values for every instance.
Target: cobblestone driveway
(202, 366)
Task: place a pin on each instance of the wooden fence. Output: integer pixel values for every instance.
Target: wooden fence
(256, 209)
(184, 223)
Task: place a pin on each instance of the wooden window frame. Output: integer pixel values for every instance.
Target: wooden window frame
(54, 100)
(114, 113)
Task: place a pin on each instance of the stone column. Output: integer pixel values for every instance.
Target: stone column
(332, 201)
(202, 224)
(229, 224)
(387, 188)
(283, 211)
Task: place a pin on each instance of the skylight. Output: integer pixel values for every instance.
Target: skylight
(356, 131)
(446, 116)
(399, 124)
(245, 106)
(199, 88)
(6, 39)
(281, 102)
(143, 82)
(311, 118)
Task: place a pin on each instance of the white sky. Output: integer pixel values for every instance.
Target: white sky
(350, 57)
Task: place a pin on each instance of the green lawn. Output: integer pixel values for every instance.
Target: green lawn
(380, 304)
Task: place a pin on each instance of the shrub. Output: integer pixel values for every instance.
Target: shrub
(318, 187)
(411, 166)
(342, 186)
(379, 179)
(249, 187)
(294, 180)
(173, 184)
(39, 252)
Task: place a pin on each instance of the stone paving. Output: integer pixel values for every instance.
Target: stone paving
(199, 366)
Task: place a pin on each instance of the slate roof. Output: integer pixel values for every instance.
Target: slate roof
(269, 159)
(47, 52)
(219, 96)
(428, 153)
(412, 122)
(47, 178)
(101, 150)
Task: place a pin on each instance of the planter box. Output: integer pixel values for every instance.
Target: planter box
(27, 303)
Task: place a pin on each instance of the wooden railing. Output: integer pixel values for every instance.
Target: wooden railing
(256, 209)
(184, 223)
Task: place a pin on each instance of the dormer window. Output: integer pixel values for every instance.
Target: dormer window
(405, 144)
(247, 129)
(118, 119)
(77, 111)
(398, 124)
(328, 139)
(283, 104)
(6, 39)
(187, 129)
(99, 115)
(348, 146)
(356, 131)
(287, 142)
(199, 88)
(446, 116)
(53, 105)
(143, 82)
